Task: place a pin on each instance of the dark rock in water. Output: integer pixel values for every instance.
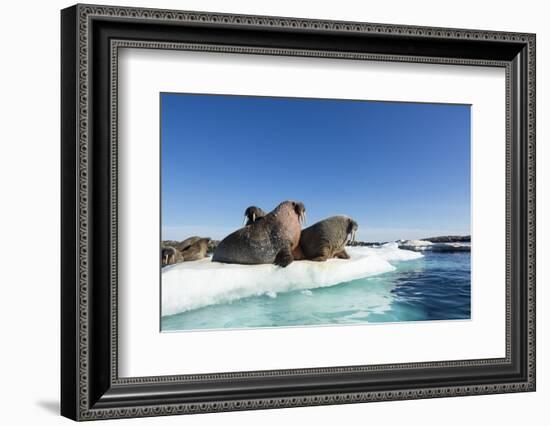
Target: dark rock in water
(449, 239)
(364, 244)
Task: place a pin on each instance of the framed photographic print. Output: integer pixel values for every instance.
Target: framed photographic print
(263, 212)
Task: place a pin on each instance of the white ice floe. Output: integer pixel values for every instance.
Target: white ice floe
(451, 247)
(389, 252)
(420, 245)
(192, 285)
(417, 245)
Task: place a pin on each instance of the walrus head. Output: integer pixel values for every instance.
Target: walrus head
(296, 206)
(352, 229)
(300, 210)
(252, 213)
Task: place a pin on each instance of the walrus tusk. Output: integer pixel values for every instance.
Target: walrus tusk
(244, 220)
(253, 217)
(305, 217)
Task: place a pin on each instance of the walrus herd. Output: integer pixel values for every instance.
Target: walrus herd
(276, 238)
(192, 248)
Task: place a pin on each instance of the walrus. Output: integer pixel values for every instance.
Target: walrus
(195, 251)
(327, 239)
(252, 213)
(168, 255)
(270, 240)
(187, 242)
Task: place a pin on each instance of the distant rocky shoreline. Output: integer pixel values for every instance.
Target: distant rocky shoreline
(442, 239)
(450, 239)
(446, 243)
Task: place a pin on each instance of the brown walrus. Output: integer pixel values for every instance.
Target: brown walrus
(327, 239)
(270, 240)
(169, 254)
(187, 242)
(252, 213)
(196, 251)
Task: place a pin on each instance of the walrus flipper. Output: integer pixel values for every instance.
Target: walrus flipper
(342, 255)
(323, 253)
(298, 254)
(284, 257)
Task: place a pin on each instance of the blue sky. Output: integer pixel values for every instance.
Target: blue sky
(401, 170)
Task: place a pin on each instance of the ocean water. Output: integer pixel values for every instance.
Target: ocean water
(435, 286)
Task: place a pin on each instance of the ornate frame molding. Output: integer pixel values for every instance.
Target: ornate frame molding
(87, 408)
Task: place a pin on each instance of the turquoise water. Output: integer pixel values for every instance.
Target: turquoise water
(434, 287)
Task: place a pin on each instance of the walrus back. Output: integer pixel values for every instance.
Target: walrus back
(248, 246)
(196, 251)
(328, 234)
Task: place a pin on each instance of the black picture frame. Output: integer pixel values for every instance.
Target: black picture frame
(90, 386)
